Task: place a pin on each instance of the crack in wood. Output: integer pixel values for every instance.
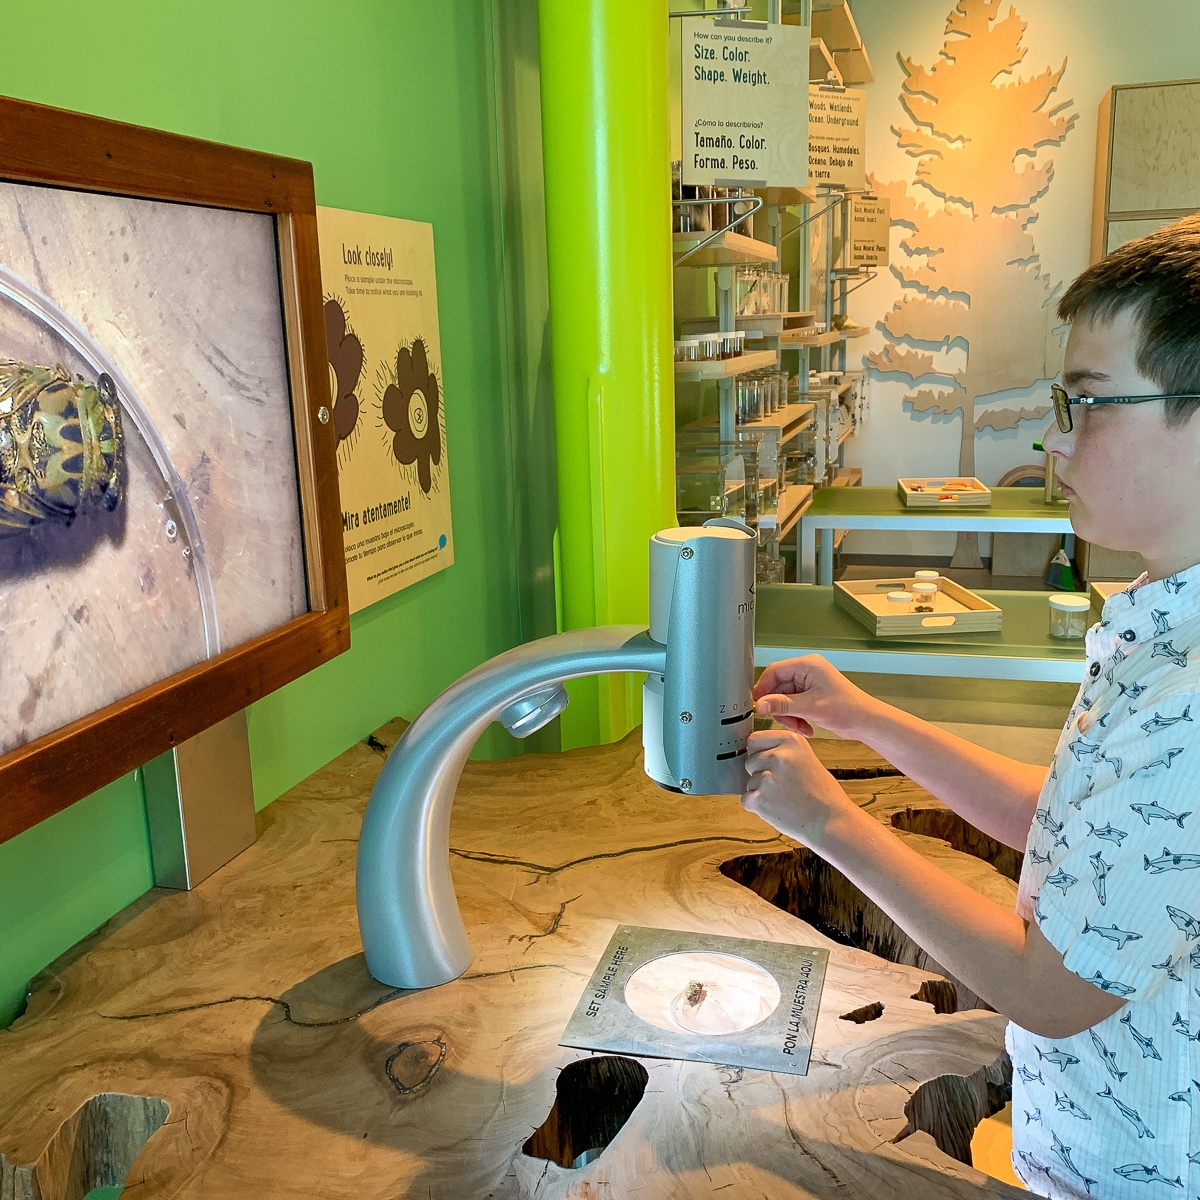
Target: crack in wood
(541, 869)
(802, 1146)
(530, 938)
(518, 970)
(274, 1000)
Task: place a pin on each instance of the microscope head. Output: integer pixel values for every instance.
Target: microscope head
(698, 714)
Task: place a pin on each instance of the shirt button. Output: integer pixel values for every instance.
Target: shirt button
(1129, 635)
(1094, 670)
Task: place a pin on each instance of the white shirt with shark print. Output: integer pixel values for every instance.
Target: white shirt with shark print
(1112, 878)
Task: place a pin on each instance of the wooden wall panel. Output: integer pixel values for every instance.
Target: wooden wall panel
(1156, 148)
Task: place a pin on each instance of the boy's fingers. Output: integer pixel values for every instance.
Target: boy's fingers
(777, 705)
(796, 725)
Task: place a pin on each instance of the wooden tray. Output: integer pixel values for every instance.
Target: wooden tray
(956, 609)
(1100, 591)
(934, 492)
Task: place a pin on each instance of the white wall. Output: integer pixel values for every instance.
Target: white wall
(1104, 42)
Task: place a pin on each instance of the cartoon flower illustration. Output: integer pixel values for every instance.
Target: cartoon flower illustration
(345, 365)
(410, 411)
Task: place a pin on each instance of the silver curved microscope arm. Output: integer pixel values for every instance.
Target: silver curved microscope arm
(408, 914)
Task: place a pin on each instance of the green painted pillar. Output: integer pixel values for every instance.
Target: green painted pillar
(606, 151)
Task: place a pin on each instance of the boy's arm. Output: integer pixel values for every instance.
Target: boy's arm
(997, 795)
(991, 949)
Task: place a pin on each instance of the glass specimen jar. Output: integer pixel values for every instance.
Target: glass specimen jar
(1069, 616)
(900, 601)
(928, 577)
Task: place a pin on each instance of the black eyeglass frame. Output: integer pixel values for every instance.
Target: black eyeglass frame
(1062, 402)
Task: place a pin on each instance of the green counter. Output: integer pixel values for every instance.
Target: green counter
(795, 619)
(1012, 510)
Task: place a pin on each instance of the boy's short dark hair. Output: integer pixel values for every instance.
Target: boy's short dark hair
(1157, 279)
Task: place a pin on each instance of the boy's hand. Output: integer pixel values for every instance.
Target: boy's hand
(803, 692)
(790, 789)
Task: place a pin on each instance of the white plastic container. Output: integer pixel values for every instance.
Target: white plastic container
(1069, 616)
(900, 601)
(923, 594)
(928, 577)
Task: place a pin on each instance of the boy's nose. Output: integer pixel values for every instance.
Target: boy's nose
(1054, 441)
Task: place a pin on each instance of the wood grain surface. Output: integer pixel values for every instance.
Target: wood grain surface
(236, 1027)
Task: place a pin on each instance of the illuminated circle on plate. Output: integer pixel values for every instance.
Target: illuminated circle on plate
(736, 994)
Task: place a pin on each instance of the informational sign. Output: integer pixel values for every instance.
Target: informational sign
(870, 231)
(837, 135)
(663, 993)
(745, 103)
(385, 356)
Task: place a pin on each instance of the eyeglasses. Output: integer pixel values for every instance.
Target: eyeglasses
(1063, 402)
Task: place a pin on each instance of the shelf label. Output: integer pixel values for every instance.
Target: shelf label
(745, 103)
(870, 231)
(837, 135)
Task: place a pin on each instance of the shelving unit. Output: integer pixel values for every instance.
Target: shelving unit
(727, 249)
(811, 429)
(793, 504)
(727, 368)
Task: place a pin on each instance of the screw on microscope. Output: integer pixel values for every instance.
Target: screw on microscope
(686, 552)
(685, 717)
(685, 785)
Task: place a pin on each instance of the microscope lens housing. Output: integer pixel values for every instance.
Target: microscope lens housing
(698, 713)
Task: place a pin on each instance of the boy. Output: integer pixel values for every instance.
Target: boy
(1098, 967)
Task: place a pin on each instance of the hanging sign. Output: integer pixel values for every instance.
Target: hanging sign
(837, 135)
(744, 103)
(870, 231)
(385, 376)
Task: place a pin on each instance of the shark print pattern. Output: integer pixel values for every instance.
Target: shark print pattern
(1100, 871)
(1169, 964)
(1145, 1044)
(1167, 650)
(1107, 833)
(1156, 722)
(1060, 1058)
(1155, 811)
(1165, 761)
(1107, 1057)
(1170, 862)
(1108, 1112)
(1067, 1105)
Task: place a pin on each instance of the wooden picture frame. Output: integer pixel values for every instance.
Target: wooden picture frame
(58, 149)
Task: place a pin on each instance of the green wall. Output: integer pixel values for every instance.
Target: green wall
(395, 104)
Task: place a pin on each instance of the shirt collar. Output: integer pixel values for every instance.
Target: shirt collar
(1153, 609)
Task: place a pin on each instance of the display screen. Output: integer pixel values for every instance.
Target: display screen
(149, 503)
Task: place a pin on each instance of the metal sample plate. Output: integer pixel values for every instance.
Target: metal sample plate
(663, 993)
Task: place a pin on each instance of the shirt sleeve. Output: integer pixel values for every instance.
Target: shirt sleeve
(1122, 900)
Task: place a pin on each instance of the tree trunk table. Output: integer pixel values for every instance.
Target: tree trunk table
(228, 1042)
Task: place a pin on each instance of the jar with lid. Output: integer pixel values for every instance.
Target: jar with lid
(928, 577)
(923, 594)
(709, 347)
(1069, 616)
